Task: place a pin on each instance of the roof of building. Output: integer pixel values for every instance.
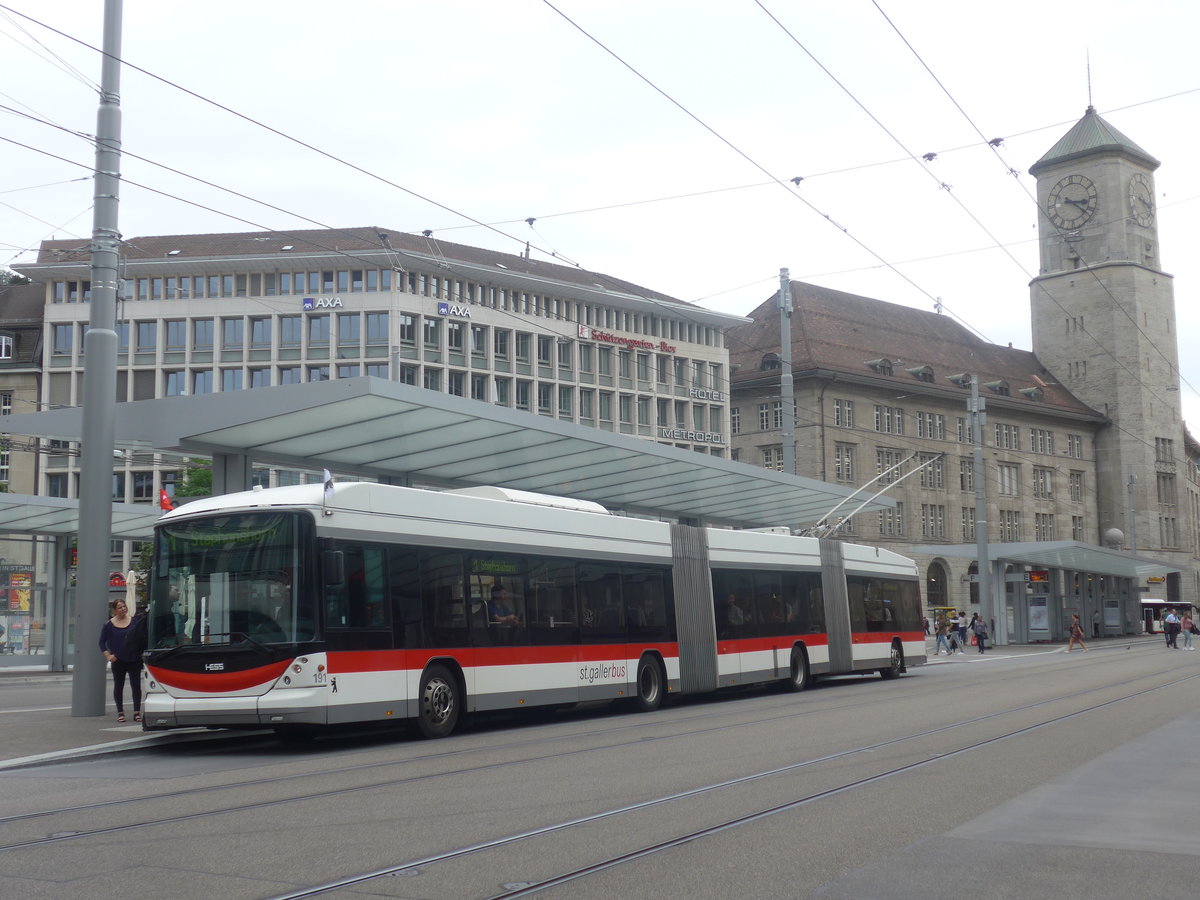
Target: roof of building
(1089, 136)
(370, 245)
(849, 336)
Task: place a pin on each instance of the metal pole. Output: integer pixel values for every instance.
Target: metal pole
(99, 386)
(1132, 513)
(976, 407)
(787, 389)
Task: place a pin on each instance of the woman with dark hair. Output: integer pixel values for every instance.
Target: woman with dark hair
(125, 659)
(1076, 633)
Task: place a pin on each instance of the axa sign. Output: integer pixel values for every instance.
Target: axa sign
(454, 309)
(322, 302)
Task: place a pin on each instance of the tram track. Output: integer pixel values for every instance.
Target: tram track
(526, 889)
(67, 833)
(712, 709)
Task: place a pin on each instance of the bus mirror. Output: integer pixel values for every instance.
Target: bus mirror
(333, 568)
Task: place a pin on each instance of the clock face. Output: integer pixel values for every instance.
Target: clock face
(1071, 202)
(1141, 200)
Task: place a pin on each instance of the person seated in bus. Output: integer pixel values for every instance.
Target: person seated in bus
(734, 614)
(500, 611)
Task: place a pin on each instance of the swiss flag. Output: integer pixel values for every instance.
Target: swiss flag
(164, 501)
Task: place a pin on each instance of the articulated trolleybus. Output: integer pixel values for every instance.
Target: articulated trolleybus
(303, 606)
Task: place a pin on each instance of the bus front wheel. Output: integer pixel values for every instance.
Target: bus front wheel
(440, 703)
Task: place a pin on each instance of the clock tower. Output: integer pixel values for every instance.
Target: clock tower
(1103, 315)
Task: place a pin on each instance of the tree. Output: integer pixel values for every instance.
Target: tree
(195, 480)
(8, 276)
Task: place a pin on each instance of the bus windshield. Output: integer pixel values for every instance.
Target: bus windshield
(227, 578)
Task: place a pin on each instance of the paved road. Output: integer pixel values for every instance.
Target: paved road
(1034, 774)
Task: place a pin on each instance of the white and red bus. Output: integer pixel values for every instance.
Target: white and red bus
(300, 606)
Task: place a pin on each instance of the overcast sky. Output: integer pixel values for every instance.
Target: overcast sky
(653, 141)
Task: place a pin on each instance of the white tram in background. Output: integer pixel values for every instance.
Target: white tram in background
(293, 607)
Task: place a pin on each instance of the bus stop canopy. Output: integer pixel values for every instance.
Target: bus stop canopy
(59, 517)
(1073, 555)
(371, 427)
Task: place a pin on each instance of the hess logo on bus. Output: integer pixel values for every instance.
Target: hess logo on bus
(214, 667)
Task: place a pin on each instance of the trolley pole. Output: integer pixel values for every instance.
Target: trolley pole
(975, 406)
(99, 385)
(787, 388)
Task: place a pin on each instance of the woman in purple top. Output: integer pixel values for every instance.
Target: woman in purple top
(124, 660)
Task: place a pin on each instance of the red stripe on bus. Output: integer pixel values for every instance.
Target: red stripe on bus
(219, 682)
(399, 660)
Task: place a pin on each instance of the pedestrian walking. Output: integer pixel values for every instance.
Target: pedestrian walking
(981, 633)
(962, 628)
(942, 630)
(1076, 633)
(1188, 627)
(1171, 624)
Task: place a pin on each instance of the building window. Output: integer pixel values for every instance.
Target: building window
(891, 521)
(147, 337)
(432, 334)
(6, 346)
(479, 341)
(735, 421)
(843, 462)
(202, 334)
(933, 521)
(966, 474)
(456, 384)
(231, 380)
(454, 336)
(260, 378)
(408, 329)
(889, 419)
(1008, 437)
(260, 333)
(1043, 483)
(377, 328)
(501, 340)
(63, 339)
(968, 525)
(1077, 529)
(1075, 481)
(431, 380)
(773, 458)
(843, 413)
(933, 471)
(174, 384)
(202, 381)
(1075, 446)
(1166, 489)
(290, 375)
(318, 331)
(1010, 525)
(1008, 480)
(232, 333)
(479, 387)
(291, 330)
(1043, 526)
(1041, 441)
(522, 401)
(888, 458)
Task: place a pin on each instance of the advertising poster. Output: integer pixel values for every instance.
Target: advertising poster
(1039, 618)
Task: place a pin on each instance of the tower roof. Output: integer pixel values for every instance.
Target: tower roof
(1089, 136)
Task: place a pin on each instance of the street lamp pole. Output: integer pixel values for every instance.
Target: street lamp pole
(99, 385)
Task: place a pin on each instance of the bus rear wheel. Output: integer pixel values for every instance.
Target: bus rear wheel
(798, 680)
(895, 663)
(440, 703)
(649, 684)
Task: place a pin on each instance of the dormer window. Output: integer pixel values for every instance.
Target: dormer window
(770, 361)
(998, 387)
(7, 346)
(963, 379)
(1034, 393)
(922, 373)
(882, 366)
